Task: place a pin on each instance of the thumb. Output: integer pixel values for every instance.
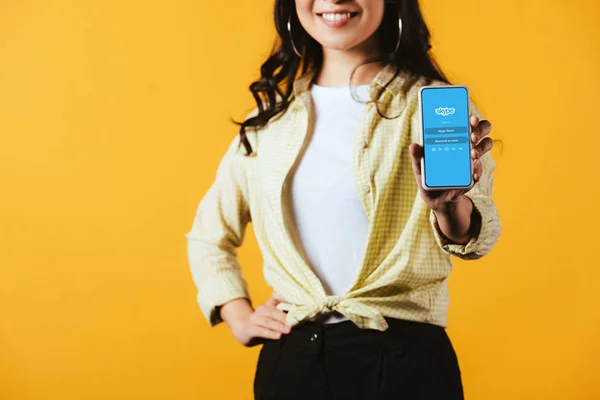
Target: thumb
(275, 299)
(416, 152)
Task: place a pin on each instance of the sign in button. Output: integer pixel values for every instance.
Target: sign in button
(453, 129)
(446, 140)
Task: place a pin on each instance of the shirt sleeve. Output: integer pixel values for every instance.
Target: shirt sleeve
(217, 231)
(486, 216)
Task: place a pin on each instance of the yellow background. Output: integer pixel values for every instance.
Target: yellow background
(113, 117)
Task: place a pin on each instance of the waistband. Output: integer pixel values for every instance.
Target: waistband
(312, 336)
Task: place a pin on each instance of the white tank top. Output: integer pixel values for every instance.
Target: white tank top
(329, 217)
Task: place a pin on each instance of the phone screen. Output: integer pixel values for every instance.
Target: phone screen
(446, 150)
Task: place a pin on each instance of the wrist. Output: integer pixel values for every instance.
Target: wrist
(449, 208)
(454, 219)
(235, 312)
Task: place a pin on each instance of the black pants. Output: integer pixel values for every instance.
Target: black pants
(410, 360)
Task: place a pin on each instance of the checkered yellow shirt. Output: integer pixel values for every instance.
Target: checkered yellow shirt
(407, 260)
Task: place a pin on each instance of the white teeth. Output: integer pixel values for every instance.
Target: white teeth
(336, 16)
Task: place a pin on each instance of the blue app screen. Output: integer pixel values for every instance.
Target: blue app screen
(445, 127)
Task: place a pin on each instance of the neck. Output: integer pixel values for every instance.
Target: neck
(339, 64)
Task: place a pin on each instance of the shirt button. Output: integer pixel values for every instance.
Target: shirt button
(362, 144)
(367, 188)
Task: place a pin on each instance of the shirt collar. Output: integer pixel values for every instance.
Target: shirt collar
(302, 84)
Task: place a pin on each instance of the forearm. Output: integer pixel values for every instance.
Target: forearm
(458, 221)
(235, 311)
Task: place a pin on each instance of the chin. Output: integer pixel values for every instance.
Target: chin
(338, 44)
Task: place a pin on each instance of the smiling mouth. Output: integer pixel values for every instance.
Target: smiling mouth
(337, 17)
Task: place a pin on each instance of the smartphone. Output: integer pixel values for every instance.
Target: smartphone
(445, 137)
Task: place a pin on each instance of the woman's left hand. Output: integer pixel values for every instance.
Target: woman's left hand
(481, 144)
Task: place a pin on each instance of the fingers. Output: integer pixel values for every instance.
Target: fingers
(271, 324)
(481, 143)
(272, 313)
(480, 129)
(481, 148)
(275, 299)
(477, 170)
(476, 153)
(271, 318)
(416, 151)
(268, 317)
(265, 322)
(261, 331)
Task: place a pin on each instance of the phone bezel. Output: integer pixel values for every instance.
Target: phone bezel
(422, 137)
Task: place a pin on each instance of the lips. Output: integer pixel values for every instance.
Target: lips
(352, 13)
(336, 19)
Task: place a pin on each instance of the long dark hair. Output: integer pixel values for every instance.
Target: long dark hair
(273, 92)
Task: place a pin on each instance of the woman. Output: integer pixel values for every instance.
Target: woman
(357, 253)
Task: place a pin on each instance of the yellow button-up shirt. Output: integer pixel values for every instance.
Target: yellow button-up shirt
(407, 260)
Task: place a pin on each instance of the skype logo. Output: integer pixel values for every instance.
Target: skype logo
(444, 111)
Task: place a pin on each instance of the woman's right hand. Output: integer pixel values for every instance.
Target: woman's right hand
(251, 327)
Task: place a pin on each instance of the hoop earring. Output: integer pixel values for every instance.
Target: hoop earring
(289, 28)
(399, 34)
